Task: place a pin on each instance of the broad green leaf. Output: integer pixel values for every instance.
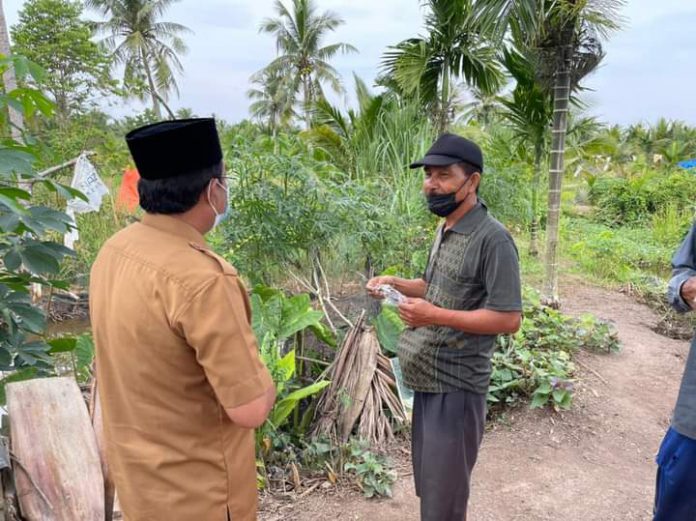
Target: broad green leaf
(539, 400)
(323, 334)
(65, 191)
(62, 345)
(36, 71)
(15, 193)
(559, 395)
(38, 261)
(30, 318)
(84, 351)
(284, 407)
(265, 292)
(58, 250)
(13, 260)
(43, 218)
(298, 314)
(16, 161)
(286, 366)
(544, 388)
(9, 221)
(12, 204)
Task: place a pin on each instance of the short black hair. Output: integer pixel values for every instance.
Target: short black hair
(176, 194)
(470, 169)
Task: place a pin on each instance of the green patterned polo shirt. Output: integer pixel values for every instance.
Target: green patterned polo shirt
(473, 265)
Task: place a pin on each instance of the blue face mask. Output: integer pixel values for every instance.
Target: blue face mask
(220, 216)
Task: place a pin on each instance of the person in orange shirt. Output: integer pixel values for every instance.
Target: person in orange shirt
(180, 381)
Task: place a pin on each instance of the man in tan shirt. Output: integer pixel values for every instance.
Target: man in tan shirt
(180, 380)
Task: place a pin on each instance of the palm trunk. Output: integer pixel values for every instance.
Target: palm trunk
(561, 96)
(534, 232)
(443, 123)
(308, 98)
(151, 85)
(9, 79)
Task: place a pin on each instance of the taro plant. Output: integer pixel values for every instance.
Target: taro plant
(279, 322)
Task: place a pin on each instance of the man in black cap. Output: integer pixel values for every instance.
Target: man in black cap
(180, 381)
(469, 294)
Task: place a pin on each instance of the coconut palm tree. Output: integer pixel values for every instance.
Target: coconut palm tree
(304, 61)
(483, 107)
(272, 103)
(147, 47)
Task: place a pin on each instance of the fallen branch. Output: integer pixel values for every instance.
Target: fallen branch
(322, 300)
(309, 490)
(585, 366)
(312, 360)
(50, 171)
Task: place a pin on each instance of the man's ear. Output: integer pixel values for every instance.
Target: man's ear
(476, 182)
(203, 198)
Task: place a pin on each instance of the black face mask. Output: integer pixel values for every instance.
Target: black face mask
(444, 204)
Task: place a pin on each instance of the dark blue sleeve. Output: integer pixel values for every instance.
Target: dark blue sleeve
(683, 268)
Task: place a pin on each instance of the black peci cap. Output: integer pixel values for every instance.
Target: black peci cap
(174, 148)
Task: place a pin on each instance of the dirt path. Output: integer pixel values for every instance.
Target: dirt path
(592, 463)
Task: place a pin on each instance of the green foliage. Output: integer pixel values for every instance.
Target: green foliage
(669, 225)
(536, 363)
(616, 254)
(277, 320)
(27, 255)
(459, 44)
(284, 209)
(371, 471)
(282, 317)
(634, 199)
(76, 353)
(52, 34)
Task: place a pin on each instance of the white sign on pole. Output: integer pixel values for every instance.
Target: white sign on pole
(86, 180)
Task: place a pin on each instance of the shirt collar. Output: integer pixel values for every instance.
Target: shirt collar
(173, 226)
(470, 220)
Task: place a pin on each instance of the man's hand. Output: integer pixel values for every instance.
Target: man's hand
(375, 282)
(688, 292)
(416, 312)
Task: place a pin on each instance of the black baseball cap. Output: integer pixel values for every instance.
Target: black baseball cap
(450, 149)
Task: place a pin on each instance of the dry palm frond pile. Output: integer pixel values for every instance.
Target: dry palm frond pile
(362, 391)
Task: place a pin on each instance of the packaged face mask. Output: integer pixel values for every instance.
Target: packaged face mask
(391, 295)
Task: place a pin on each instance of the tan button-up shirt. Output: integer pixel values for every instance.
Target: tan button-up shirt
(174, 348)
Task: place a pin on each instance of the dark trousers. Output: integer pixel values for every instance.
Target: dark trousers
(446, 435)
(675, 490)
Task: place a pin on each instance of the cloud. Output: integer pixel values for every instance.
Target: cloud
(647, 72)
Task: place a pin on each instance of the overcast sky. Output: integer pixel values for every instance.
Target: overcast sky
(649, 71)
